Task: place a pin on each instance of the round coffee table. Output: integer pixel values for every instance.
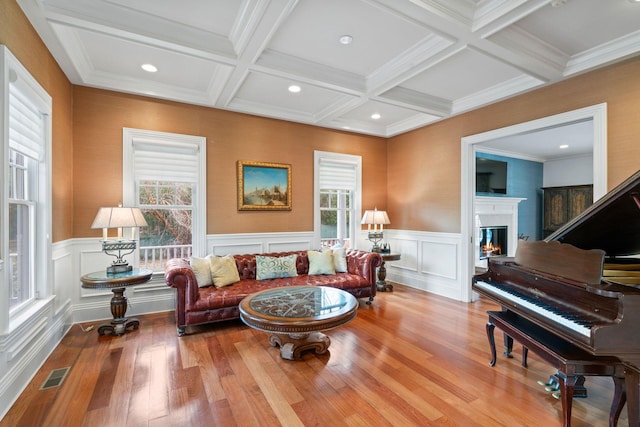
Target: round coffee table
(295, 315)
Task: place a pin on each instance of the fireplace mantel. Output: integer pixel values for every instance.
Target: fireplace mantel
(496, 211)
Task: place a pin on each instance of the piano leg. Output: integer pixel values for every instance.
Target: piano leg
(579, 390)
(619, 399)
(508, 346)
(632, 379)
(492, 343)
(567, 383)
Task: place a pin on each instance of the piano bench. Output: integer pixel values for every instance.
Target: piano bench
(571, 362)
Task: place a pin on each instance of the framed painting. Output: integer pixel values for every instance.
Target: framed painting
(264, 186)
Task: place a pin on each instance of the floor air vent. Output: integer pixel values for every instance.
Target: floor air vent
(55, 378)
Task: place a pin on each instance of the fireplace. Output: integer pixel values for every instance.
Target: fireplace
(493, 241)
(493, 213)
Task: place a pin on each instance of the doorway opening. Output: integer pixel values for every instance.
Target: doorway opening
(596, 113)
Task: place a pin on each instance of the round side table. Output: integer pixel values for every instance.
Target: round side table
(382, 271)
(117, 282)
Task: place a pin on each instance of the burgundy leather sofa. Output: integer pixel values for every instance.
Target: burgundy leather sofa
(195, 305)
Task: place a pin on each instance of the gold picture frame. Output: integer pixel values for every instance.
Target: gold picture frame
(264, 186)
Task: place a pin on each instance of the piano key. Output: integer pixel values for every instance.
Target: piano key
(582, 326)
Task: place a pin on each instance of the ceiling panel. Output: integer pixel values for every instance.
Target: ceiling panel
(215, 16)
(269, 92)
(577, 26)
(462, 74)
(313, 30)
(174, 68)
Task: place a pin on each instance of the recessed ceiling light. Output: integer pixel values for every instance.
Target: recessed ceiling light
(346, 39)
(294, 89)
(375, 116)
(563, 146)
(148, 67)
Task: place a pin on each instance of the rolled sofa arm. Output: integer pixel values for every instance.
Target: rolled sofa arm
(364, 264)
(179, 275)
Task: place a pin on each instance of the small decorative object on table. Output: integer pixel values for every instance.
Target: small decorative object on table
(385, 249)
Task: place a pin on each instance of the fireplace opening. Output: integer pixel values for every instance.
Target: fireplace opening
(493, 241)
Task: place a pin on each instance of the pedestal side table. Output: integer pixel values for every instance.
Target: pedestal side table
(116, 283)
(382, 271)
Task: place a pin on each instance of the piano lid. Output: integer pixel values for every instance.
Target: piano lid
(611, 223)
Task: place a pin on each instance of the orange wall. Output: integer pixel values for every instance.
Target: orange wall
(19, 36)
(423, 181)
(99, 117)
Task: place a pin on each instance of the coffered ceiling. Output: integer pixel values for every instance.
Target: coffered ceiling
(413, 62)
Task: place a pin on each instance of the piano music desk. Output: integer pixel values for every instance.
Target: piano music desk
(571, 362)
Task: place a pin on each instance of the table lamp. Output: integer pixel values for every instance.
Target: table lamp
(378, 219)
(120, 218)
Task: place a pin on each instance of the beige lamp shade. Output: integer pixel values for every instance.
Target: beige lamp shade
(375, 218)
(119, 217)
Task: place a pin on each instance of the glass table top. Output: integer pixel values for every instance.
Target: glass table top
(302, 302)
(102, 279)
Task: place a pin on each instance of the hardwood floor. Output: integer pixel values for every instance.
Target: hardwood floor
(410, 359)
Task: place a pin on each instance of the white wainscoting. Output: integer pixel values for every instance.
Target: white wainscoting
(429, 261)
(27, 345)
(256, 243)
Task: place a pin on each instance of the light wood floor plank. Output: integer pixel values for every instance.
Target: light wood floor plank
(280, 399)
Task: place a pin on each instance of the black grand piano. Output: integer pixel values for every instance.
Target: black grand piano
(576, 295)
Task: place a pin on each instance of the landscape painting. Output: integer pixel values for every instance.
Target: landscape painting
(264, 186)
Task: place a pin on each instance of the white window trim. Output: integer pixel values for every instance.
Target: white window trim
(319, 156)
(12, 71)
(129, 135)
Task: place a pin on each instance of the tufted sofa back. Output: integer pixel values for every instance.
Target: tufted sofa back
(247, 263)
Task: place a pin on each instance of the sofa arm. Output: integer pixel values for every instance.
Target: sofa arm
(179, 275)
(364, 264)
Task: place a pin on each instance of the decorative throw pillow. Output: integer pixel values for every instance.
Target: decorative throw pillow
(320, 262)
(224, 271)
(268, 267)
(200, 267)
(340, 260)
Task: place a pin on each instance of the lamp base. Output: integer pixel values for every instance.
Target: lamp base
(375, 237)
(118, 268)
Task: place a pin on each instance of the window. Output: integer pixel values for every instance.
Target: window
(21, 229)
(337, 198)
(164, 176)
(335, 216)
(26, 205)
